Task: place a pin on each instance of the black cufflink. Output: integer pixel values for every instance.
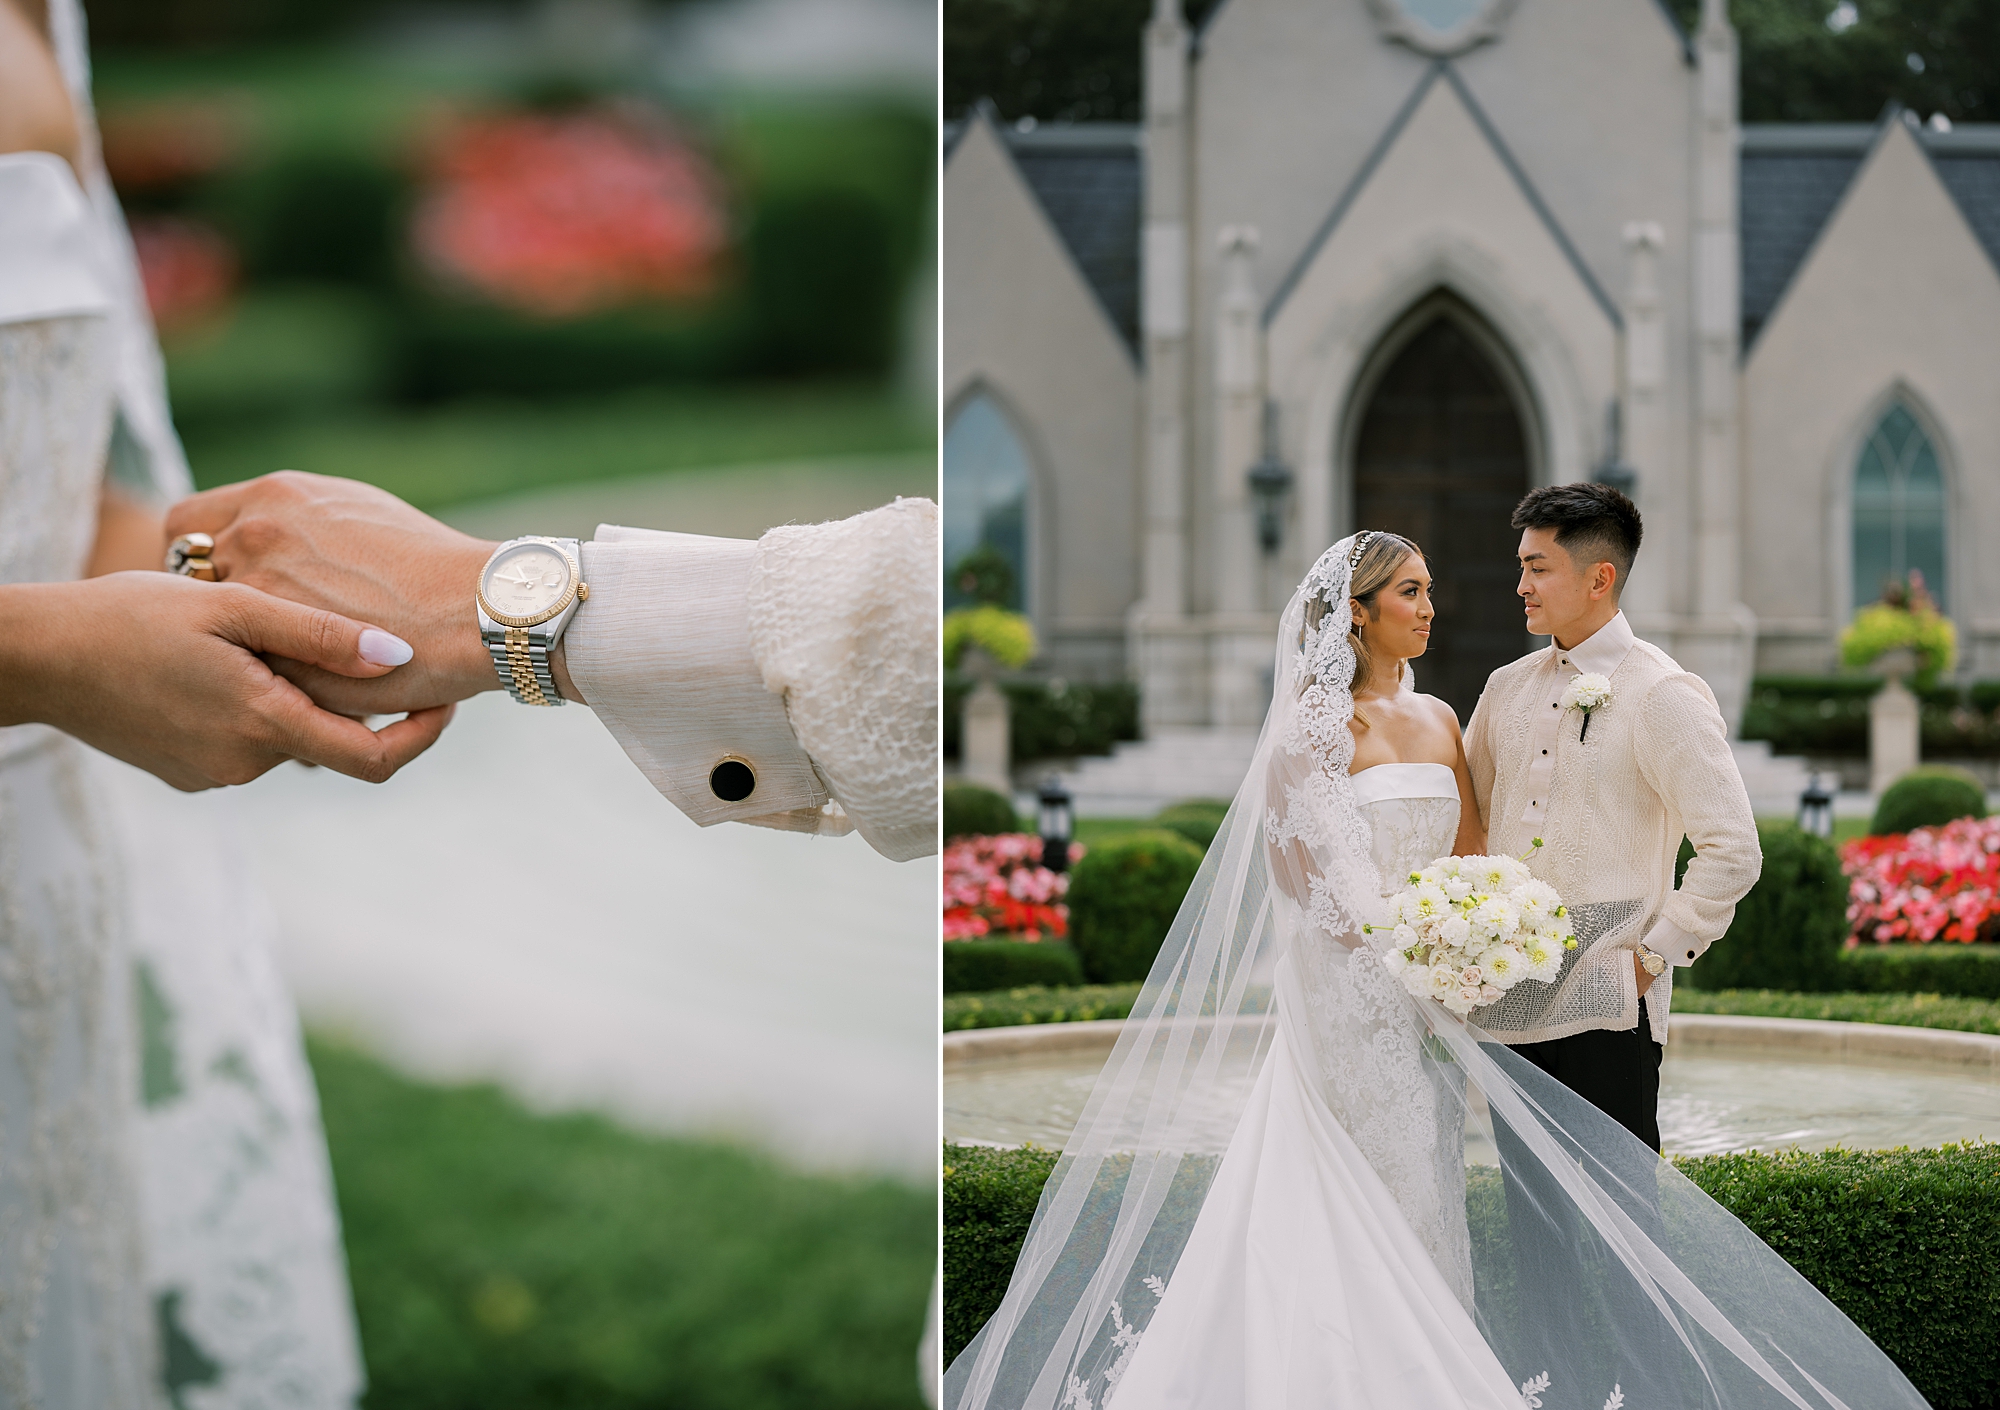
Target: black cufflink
(1690, 954)
(732, 780)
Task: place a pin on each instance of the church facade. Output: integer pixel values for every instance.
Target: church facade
(1391, 263)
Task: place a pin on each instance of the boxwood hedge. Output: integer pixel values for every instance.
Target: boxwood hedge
(1907, 1243)
(975, 966)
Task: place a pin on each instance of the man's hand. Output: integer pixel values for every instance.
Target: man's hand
(164, 672)
(1645, 979)
(361, 552)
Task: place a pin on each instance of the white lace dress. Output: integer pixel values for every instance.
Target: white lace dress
(1330, 1265)
(167, 1230)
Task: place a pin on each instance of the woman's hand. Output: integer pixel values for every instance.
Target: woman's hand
(360, 551)
(164, 673)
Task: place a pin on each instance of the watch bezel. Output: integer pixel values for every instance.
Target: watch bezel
(562, 603)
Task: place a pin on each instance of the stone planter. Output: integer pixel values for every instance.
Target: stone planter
(1894, 736)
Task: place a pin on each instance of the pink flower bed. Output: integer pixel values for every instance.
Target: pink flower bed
(188, 268)
(998, 886)
(1940, 883)
(570, 214)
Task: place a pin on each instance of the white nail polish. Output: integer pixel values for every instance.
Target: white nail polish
(378, 648)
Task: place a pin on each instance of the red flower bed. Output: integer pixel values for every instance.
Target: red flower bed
(569, 214)
(189, 270)
(1940, 883)
(998, 886)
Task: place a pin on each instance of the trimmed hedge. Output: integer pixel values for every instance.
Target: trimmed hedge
(1122, 898)
(1907, 1243)
(1828, 716)
(989, 1201)
(1005, 1008)
(975, 966)
(1788, 932)
(1927, 798)
(1052, 719)
(1941, 967)
(1196, 819)
(1899, 1010)
(972, 811)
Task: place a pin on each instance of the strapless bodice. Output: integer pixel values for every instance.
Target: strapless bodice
(1412, 816)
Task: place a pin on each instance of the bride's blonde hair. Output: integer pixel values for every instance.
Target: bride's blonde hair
(1372, 572)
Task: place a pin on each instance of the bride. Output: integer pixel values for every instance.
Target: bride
(167, 1226)
(1294, 1185)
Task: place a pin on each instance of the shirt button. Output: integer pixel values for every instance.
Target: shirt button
(1545, 751)
(1690, 954)
(732, 780)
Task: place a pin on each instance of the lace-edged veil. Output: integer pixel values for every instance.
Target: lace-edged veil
(1661, 1296)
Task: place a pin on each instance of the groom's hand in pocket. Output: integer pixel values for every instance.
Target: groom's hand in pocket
(359, 551)
(168, 674)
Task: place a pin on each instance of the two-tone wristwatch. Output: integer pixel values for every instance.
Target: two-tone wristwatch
(528, 591)
(1653, 962)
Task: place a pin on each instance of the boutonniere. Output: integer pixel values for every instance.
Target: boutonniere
(1589, 694)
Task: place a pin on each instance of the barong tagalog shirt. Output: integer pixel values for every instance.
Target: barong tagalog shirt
(1611, 806)
(808, 657)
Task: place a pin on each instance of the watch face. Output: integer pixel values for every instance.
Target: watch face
(529, 580)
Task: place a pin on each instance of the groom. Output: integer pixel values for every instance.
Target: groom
(1611, 791)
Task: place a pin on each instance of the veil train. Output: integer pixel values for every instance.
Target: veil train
(1598, 1274)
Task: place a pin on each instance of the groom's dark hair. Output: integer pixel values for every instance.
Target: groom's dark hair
(1593, 523)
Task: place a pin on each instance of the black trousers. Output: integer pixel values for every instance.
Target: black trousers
(1597, 1327)
(1616, 1072)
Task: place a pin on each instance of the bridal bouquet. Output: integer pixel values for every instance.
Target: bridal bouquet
(1468, 929)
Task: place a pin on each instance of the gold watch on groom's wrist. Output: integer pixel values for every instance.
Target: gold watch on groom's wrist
(1654, 963)
(528, 591)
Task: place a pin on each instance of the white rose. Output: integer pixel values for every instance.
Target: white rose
(1395, 961)
(1443, 980)
(1472, 976)
(1455, 930)
(1463, 1000)
(1489, 993)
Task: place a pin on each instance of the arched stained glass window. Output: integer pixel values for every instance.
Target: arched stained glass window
(1899, 511)
(985, 496)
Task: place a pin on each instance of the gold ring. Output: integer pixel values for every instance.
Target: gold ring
(188, 555)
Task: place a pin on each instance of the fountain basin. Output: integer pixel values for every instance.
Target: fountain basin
(1728, 1084)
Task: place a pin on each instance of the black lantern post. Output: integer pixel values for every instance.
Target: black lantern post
(1816, 809)
(1270, 484)
(1057, 823)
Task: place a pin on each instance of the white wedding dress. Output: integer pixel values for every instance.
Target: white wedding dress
(1309, 1279)
(167, 1226)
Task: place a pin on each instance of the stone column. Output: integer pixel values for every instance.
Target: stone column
(1238, 651)
(1642, 421)
(1719, 643)
(1163, 651)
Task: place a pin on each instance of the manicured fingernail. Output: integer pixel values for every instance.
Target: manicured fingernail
(378, 648)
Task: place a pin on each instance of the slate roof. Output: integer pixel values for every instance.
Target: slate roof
(1089, 180)
(1087, 177)
(1792, 175)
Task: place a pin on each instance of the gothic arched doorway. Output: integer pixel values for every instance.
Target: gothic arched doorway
(1441, 457)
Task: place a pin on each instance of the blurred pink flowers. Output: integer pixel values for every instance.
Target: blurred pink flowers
(998, 886)
(1931, 884)
(188, 268)
(570, 214)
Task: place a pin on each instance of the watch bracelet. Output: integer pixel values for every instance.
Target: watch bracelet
(523, 666)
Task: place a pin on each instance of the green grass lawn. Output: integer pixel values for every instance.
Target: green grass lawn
(503, 1261)
(466, 451)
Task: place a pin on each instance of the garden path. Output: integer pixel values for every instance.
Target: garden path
(531, 911)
